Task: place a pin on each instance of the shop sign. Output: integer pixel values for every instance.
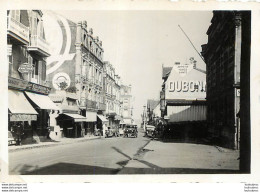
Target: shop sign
(17, 83)
(25, 68)
(23, 117)
(38, 88)
(9, 50)
(238, 92)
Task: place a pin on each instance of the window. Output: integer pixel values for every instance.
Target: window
(15, 14)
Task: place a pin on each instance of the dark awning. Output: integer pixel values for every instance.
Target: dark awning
(102, 118)
(76, 117)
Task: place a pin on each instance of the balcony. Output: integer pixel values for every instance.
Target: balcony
(18, 31)
(39, 46)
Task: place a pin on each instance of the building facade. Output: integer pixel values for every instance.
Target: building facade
(222, 55)
(29, 108)
(89, 76)
(151, 113)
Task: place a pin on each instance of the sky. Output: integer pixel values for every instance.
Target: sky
(138, 43)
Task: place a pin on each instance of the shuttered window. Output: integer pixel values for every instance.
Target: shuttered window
(43, 70)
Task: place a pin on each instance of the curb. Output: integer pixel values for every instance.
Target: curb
(51, 144)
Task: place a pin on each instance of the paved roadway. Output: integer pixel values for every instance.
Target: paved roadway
(124, 156)
(100, 156)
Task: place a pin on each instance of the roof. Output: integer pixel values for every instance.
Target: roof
(166, 71)
(151, 104)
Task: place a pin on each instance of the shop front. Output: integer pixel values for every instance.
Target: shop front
(46, 125)
(21, 116)
(102, 124)
(72, 124)
(118, 119)
(91, 123)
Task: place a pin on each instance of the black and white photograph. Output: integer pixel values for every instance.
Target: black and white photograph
(123, 92)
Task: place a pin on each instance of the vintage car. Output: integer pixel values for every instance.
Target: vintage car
(130, 131)
(150, 130)
(11, 140)
(111, 132)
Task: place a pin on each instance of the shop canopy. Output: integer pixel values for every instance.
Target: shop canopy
(91, 116)
(76, 117)
(20, 108)
(43, 101)
(102, 118)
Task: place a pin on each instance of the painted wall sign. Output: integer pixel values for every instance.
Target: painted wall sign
(184, 82)
(62, 49)
(25, 68)
(38, 88)
(17, 83)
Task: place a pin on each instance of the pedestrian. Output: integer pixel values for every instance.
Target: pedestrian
(104, 129)
(19, 133)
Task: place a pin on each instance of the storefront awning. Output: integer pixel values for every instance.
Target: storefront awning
(91, 116)
(102, 118)
(17, 103)
(43, 101)
(76, 117)
(20, 108)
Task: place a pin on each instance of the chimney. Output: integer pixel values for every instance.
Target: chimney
(91, 31)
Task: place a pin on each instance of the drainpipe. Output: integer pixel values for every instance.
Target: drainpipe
(237, 65)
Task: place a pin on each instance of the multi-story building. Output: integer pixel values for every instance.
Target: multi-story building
(127, 105)
(30, 108)
(222, 55)
(111, 106)
(89, 76)
(75, 72)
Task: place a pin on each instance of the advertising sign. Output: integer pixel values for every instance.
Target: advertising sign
(185, 82)
(38, 88)
(25, 68)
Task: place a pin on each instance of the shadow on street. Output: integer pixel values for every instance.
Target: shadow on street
(67, 169)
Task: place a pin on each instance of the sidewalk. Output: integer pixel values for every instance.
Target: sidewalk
(63, 141)
(187, 155)
(183, 158)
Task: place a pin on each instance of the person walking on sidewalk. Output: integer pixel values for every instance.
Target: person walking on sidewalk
(18, 130)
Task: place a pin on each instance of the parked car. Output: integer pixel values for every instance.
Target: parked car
(11, 140)
(150, 130)
(111, 132)
(130, 131)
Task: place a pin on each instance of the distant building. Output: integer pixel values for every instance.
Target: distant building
(127, 104)
(151, 113)
(222, 54)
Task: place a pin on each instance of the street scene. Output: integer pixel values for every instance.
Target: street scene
(128, 92)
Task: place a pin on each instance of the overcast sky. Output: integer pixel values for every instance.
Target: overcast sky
(137, 43)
